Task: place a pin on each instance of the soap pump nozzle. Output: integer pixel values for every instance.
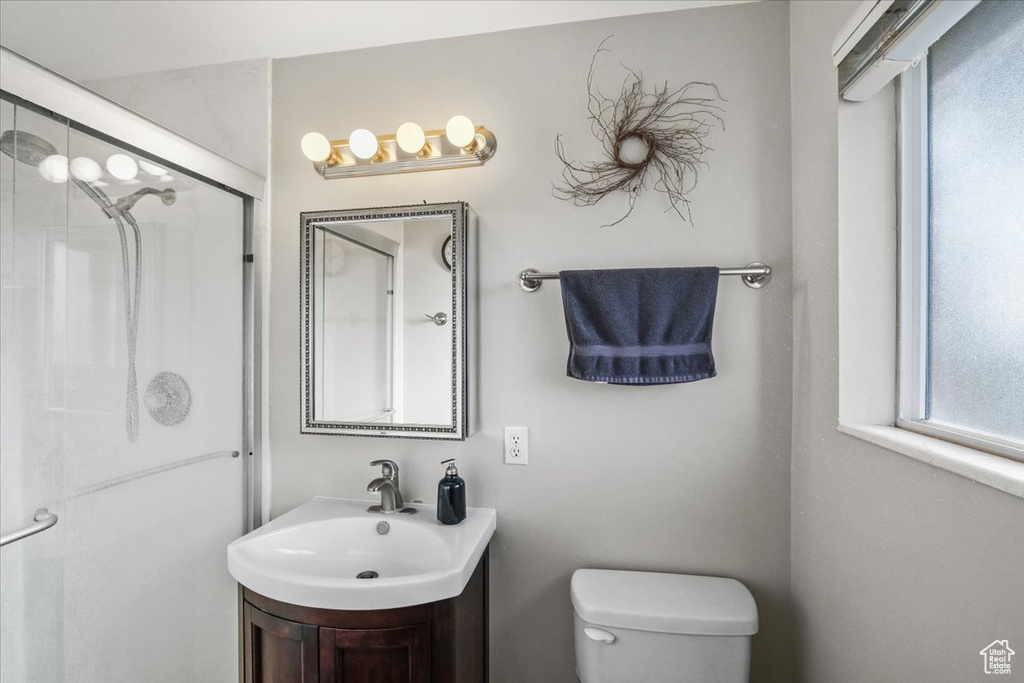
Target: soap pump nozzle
(452, 470)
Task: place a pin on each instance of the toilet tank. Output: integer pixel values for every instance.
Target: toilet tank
(652, 627)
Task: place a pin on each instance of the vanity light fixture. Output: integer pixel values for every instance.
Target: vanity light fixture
(410, 149)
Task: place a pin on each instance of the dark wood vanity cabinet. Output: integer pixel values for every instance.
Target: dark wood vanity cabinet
(440, 642)
(277, 649)
(389, 655)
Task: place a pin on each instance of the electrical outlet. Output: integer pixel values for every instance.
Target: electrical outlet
(517, 445)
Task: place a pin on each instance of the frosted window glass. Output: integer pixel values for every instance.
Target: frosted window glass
(976, 252)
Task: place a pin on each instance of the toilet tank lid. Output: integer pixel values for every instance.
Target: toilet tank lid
(664, 603)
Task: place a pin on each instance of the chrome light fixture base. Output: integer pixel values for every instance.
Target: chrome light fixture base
(438, 153)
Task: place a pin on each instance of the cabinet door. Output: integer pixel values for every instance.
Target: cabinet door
(278, 650)
(389, 655)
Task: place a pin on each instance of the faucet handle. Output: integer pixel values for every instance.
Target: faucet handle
(388, 467)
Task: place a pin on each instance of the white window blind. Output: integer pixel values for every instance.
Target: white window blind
(885, 37)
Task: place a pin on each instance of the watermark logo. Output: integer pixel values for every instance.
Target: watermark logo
(997, 657)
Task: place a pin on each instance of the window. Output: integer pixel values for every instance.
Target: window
(962, 234)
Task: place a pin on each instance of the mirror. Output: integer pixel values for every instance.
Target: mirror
(386, 302)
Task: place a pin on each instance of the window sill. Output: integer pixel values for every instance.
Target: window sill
(991, 470)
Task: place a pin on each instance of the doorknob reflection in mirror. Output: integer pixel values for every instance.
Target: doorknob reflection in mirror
(439, 318)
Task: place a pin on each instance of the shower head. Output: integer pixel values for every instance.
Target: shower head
(127, 202)
(25, 147)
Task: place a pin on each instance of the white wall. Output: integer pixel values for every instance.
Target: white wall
(901, 571)
(111, 38)
(223, 107)
(686, 478)
(867, 270)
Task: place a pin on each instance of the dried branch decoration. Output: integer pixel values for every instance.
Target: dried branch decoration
(651, 140)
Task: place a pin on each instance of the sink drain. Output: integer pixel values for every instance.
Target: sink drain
(368, 574)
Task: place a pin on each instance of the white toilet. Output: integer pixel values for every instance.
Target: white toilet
(661, 628)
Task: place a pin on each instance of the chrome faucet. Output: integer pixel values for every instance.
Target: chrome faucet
(387, 486)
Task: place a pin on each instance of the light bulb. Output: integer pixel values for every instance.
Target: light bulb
(460, 131)
(86, 169)
(151, 168)
(363, 144)
(122, 166)
(411, 138)
(54, 168)
(316, 146)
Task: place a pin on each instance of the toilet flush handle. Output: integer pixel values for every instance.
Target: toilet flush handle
(599, 634)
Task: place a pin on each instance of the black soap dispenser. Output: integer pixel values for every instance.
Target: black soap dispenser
(451, 495)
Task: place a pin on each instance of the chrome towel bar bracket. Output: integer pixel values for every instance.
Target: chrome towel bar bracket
(754, 275)
(43, 519)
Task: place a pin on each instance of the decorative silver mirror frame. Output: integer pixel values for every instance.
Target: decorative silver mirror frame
(464, 344)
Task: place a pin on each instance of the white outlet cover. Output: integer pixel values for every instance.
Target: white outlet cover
(517, 445)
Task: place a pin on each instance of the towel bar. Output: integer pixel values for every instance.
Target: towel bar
(754, 275)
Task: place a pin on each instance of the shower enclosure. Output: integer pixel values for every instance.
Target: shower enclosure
(128, 457)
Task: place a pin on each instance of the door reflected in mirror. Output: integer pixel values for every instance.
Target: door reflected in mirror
(385, 335)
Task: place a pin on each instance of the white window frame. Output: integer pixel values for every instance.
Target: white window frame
(913, 279)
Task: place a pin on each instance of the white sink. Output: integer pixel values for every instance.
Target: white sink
(311, 556)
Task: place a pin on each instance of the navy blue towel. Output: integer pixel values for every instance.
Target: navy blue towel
(640, 326)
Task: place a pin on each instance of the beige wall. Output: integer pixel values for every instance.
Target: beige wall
(901, 571)
(689, 478)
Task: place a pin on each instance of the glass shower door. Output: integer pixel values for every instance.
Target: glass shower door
(32, 220)
(122, 405)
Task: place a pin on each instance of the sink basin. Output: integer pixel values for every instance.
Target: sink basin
(314, 554)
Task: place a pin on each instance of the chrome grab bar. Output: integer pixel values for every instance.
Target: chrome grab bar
(44, 519)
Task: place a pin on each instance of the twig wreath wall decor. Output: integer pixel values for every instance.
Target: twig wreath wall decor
(650, 139)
